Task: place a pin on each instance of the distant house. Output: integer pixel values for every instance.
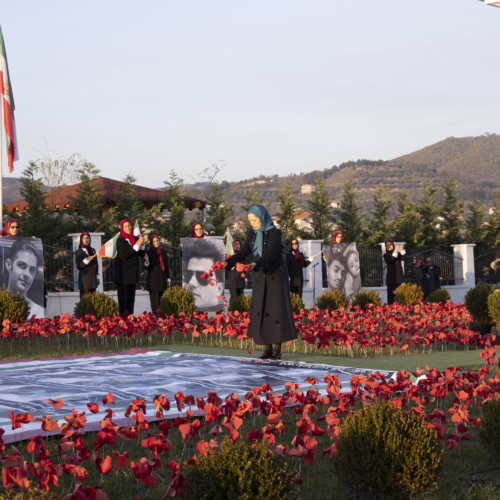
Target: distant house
(307, 188)
(335, 204)
(62, 198)
(302, 219)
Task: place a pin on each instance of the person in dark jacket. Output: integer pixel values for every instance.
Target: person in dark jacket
(271, 314)
(393, 258)
(234, 281)
(435, 270)
(158, 277)
(86, 263)
(129, 250)
(296, 262)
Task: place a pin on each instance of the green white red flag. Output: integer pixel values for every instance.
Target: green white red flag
(8, 107)
(229, 244)
(108, 250)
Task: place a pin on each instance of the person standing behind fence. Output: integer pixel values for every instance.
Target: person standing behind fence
(86, 263)
(11, 228)
(129, 249)
(158, 277)
(197, 230)
(296, 262)
(393, 257)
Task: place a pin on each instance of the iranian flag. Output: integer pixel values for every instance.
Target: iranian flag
(8, 107)
(108, 250)
(229, 244)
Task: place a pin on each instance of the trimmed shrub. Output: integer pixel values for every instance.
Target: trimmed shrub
(365, 297)
(408, 294)
(440, 296)
(489, 429)
(239, 471)
(176, 300)
(241, 303)
(13, 307)
(332, 299)
(97, 303)
(476, 301)
(494, 305)
(297, 302)
(382, 451)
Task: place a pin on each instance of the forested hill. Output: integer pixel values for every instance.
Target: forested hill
(473, 162)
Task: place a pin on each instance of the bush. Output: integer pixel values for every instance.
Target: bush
(494, 305)
(489, 429)
(97, 303)
(13, 307)
(408, 294)
(239, 471)
(476, 301)
(440, 296)
(385, 452)
(332, 299)
(297, 302)
(365, 297)
(241, 303)
(176, 300)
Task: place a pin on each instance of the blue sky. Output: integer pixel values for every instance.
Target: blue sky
(269, 87)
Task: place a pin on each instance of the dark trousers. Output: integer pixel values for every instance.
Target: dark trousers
(235, 292)
(126, 298)
(390, 293)
(297, 290)
(155, 298)
(84, 292)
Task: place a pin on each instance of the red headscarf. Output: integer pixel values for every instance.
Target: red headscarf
(158, 251)
(296, 252)
(393, 246)
(234, 241)
(193, 234)
(6, 228)
(88, 248)
(334, 237)
(128, 236)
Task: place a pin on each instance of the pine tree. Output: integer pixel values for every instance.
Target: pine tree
(286, 215)
(475, 225)
(428, 211)
(493, 233)
(378, 225)
(217, 210)
(406, 224)
(319, 206)
(129, 205)
(175, 227)
(452, 210)
(88, 197)
(349, 215)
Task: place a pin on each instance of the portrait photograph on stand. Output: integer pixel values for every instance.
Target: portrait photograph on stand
(343, 268)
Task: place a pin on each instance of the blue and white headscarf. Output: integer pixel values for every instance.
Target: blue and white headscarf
(266, 224)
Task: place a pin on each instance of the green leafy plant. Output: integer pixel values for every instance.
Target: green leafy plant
(476, 301)
(241, 303)
(494, 305)
(383, 451)
(239, 471)
(408, 294)
(365, 297)
(331, 299)
(97, 303)
(176, 300)
(489, 429)
(297, 302)
(13, 307)
(440, 296)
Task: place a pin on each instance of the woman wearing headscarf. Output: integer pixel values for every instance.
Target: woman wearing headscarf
(393, 258)
(197, 230)
(296, 262)
(271, 314)
(158, 277)
(129, 249)
(86, 263)
(11, 228)
(235, 283)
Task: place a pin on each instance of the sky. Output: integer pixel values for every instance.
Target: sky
(261, 87)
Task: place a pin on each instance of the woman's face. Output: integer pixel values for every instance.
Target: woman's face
(22, 271)
(237, 246)
(14, 229)
(353, 263)
(295, 244)
(156, 242)
(338, 238)
(389, 247)
(86, 240)
(254, 221)
(198, 230)
(127, 227)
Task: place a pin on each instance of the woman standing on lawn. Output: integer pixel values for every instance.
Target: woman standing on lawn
(393, 257)
(86, 263)
(271, 314)
(158, 280)
(296, 262)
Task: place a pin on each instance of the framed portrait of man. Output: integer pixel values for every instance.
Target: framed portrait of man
(198, 256)
(343, 270)
(21, 270)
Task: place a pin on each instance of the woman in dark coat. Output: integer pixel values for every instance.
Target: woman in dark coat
(234, 282)
(129, 249)
(271, 314)
(86, 263)
(393, 257)
(296, 262)
(158, 278)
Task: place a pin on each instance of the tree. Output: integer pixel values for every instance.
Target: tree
(452, 210)
(349, 215)
(217, 209)
(129, 205)
(175, 227)
(407, 221)
(88, 197)
(287, 214)
(428, 211)
(475, 224)
(319, 206)
(378, 225)
(493, 234)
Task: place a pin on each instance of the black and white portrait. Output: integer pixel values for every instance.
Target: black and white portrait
(343, 269)
(22, 270)
(198, 256)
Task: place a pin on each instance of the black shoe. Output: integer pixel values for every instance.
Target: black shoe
(276, 355)
(267, 354)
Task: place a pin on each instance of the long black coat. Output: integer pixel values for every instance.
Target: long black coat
(295, 270)
(395, 275)
(157, 277)
(127, 263)
(87, 273)
(271, 314)
(234, 279)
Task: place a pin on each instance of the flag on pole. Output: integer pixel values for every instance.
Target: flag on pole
(8, 107)
(108, 250)
(137, 230)
(229, 244)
